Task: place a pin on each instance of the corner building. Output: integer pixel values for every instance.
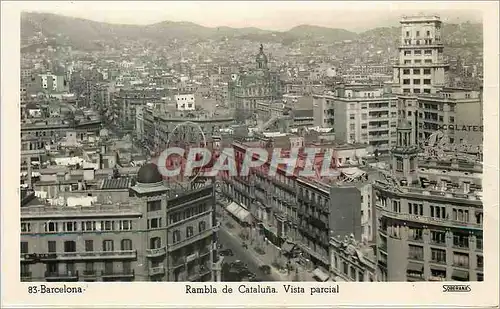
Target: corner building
(430, 216)
(162, 234)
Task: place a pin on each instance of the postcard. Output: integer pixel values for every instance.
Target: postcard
(260, 154)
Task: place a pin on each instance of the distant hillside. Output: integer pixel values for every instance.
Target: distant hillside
(82, 33)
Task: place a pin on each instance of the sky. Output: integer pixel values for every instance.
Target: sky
(269, 15)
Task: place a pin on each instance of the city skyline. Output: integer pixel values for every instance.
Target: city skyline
(263, 16)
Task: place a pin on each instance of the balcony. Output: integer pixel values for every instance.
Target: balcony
(61, 275)
(91, 255)
(174, 263)
(157, 252)
(157, 271)
(89, 273)
(109, 274)
(187, 241)
(429, 220)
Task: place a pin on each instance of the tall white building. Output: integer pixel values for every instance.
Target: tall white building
(421, 67)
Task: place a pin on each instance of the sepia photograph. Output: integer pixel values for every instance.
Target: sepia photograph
(276, 148)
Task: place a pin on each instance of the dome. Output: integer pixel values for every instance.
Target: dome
(149, 173)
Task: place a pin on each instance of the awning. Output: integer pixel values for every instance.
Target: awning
(438, 267)
(415, 267)
(239, 212)
(287, 247)
(320, 274)
(460, 275)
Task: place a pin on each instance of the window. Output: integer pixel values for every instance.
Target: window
(452, 119)
(438, 237)
(154, 205)
(363, 126)
(416, 252)
(353, 273)
(461, 241)
(418, 34)
(480, 261)
(176, 236)
(415, 234)
(428, 61)
(416, 90)
(417, 52)
(416, 81)
(70, 268)
(89, 268)
(407, 52)
(107, 245)
(480, 277)
(346, 268)
(352, 116)
(126, 225)
(108, 267)
(438, 255)
(155, 243)
(407, 62)
(107, 225)
(427, 71)
(25, 227)
(69, 227)
(406, 71)
(428, 52)
(407, 33)
(189, 231)
(51, 227)
(126, 244)
(427, 81)
(438, 212)
(427, 91)
(127, 267)
(202, 226)
(89, 226)
(89, 245)
(52, 246)
(416, 71)
(406, 81)
(70, 246)
(352, 126)
(460, 259)
(155, 223)
(24, 247)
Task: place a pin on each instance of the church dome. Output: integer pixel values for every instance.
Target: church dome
(149, 173)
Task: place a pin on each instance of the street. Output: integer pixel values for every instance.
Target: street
(230, 242)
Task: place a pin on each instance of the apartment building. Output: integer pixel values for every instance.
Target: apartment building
(359, 114)
(143, 231)
(421, 64)
(456, 112)
(299, 210)
(430, 216)
(352, 261)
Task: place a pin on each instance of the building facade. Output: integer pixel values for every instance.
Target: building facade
(157, 234)
(359, 114)
(430, 216)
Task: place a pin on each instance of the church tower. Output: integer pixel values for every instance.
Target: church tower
(404, 157)
(261, 59)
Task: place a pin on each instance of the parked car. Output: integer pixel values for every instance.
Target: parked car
(226, 252)
(266, 269)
